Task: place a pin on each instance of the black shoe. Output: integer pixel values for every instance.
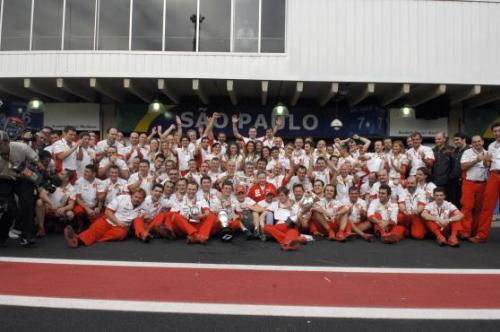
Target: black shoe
(226, 234)
(247, 235)
(25, 243)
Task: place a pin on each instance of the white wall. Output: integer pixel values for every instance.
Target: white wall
(414, 41)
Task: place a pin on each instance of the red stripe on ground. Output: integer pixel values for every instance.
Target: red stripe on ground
(251, 287)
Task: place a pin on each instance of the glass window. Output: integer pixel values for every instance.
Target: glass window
(114, 18)
(273, 26)
(215, 25)
(47, 25)
(180, 33)
(16, 25)
(147, 25)
(79, 25)
(246, 25)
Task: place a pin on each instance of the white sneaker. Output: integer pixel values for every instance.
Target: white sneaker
(14, 234)
(309, 238)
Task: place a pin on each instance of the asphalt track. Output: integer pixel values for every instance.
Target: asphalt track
(334, 287)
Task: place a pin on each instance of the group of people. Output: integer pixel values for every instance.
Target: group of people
(197, 185)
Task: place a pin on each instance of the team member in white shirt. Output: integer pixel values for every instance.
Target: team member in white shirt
(65, 150)
(443, 219)
(411, 204)
(88, 205)
(343, 182)
(134, 149)
(150, 214)
(110, 141)
(112, 158)
(283, 231)
(300, 178)
(356, 215)
(85, 154)
(113, 226)
(113, 186)
(419, 155)
(184, 155)
(326, 214)
(192, 217)
(384, 216)
(473, 185)
(142, 179)
(57, 205)
(246, 211)
(492, 190)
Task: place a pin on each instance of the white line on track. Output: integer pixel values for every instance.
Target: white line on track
(250, 310)
(248, 267)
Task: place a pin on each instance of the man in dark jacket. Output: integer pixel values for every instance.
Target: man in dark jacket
(455, 188)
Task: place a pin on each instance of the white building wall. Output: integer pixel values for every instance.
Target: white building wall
(414, 41)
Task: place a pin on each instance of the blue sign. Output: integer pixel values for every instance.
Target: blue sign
(302, 121)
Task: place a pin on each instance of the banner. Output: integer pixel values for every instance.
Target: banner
(302, 121)
(400, 126)
(82, 116)
(18, 110)
(479, 121)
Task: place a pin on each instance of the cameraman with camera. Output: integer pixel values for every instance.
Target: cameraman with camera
(16, 178)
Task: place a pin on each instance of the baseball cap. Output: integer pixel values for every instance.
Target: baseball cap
(240, 189)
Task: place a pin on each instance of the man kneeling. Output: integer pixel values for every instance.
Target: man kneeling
(115, 223)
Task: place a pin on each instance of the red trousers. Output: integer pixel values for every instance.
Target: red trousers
(184, 227)
(316, 227)
(451, 229)
(282, 233)
(393, 229)
(472, 200)
(101, 231)
(81, 214)
(414, 224)
(141, 227)
(490, 200)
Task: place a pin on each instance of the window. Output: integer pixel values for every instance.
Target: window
(246, 26)
(47, 25)
(215, 25)
(79, 25)
(114, 24)
(16, 25)
(147, 25)
(180, 33)
(273, 26)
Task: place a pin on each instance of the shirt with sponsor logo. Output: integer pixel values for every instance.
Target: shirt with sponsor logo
(388, 211)
(124, 210)
(113, 189)
(87, 191)
(478, 171)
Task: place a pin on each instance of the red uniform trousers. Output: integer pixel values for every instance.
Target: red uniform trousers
(394, 229)
(142, 228)
(315, 227)
(101, 231)
(490, 200)
(414, 225)
(204, 228)
(81, 214)
(472, 200)
(281, 233)
(453, 228)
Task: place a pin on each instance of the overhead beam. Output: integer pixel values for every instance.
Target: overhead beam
(75, 89)
(40, 89)
(264, 91)
(332, 92)
(427, 95)
(16, 92)
(231, 92)
(199, 91)
(465, 94)
(396, 94)
(483, 99)
(137, 90)
(105, 90)
(359, 96)
(299, 88)
(167, 91)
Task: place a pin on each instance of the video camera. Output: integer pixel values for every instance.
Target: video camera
(30, 172)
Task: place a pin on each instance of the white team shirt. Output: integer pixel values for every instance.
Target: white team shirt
(146, 183)
(416, 160)
(396, 190)
(119, 162)
(281, 213)
(185, 206)
(323, 175)
(184, 156)
(87, 191)
(61, 146)
(445, 211)
(150, 208)
(478, 172)
(331, 206)
(388, 211)
(124, 210)
(102, 146)
(412, 201)
(113, 190)
(87, 159)
(295, 180)
(357, 209)
(375, 162)
(61, 196)
(398, 161)
(343, 185)
(427, 190)
(494, 151)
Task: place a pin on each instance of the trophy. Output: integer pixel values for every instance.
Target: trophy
(194, 212)
(226, 233)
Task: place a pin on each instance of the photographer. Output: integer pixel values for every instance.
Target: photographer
(16, 179)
